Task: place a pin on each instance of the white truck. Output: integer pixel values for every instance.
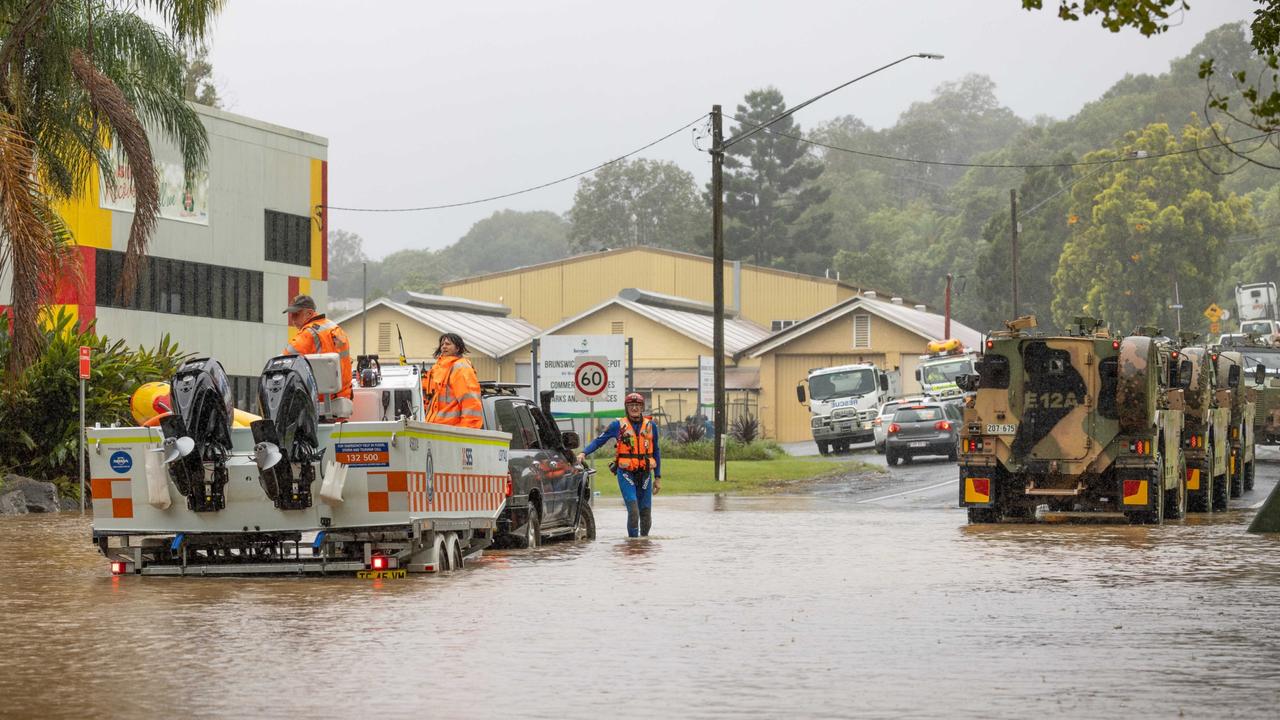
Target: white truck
(1257, 309)
(843, 402)
(937, 371)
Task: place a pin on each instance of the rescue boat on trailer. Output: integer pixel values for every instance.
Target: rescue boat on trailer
(326, 486)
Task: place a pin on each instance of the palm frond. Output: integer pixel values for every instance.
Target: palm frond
(30, 247)
(188, 19)
(110, 104)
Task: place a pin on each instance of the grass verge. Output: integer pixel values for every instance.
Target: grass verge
(686, 477)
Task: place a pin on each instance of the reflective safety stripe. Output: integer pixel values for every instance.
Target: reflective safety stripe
(473, 413)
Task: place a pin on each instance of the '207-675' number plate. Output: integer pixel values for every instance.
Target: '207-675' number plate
(1002, 429)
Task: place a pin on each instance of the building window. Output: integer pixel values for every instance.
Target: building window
(862, 331)
(384, 337)
(288, 238)
(618, 328)
(244, 389)
(777, 325)
(178, 287)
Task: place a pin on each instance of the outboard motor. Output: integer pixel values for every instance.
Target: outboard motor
(286, 447)
(198, 431)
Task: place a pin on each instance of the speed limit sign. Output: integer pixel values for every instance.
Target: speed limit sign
(590, 378)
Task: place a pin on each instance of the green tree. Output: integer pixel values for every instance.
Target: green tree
(1142, 228)
(506, 239)
(771, 194)
(71, 73)
(38, 431)
(1254, 83)
(197, 76)
(637, 202)
(346, 264)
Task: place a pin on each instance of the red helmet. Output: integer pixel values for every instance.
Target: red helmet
(633, 398)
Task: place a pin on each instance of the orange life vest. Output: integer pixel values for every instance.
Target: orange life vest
(452, 393)
(635, 452)
(322, 335)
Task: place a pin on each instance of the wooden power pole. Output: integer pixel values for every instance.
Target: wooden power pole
(717, 279)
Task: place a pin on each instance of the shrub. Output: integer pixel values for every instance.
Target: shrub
(39, 409)
(693, 430)
(745, 429)
(734, 450)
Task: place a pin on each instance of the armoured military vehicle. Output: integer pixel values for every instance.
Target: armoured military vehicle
(1082, 425)
(1205, 432)
(1235, 392)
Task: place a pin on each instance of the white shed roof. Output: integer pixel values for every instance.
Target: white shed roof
(926, 324)
(485, 333)
(738, 334)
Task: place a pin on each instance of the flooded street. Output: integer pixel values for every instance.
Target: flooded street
(872, 598)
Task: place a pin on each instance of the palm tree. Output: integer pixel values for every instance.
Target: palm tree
(78, 77)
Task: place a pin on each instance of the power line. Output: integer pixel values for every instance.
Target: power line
(548, 184)
(1025, 166)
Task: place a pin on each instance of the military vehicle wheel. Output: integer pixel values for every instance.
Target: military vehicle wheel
(979, 516)
(907, 459)
(1221, 491)
(1200, 501)
(1150, 517)
(824, 448)
(1248, 477)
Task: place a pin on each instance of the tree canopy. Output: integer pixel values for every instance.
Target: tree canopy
(637, 202)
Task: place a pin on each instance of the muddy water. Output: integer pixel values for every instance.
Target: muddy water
(764, 607)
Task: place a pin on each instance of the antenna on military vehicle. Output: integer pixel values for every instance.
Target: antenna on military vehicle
(403, 361)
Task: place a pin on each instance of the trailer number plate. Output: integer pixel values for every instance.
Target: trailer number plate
(397, 574)
(1002, 429)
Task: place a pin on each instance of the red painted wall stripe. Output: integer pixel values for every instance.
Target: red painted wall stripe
(293, 289)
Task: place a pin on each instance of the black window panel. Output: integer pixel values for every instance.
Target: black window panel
(993, 371)
(188, 289)
(162, 285)
(504, 413)
(1108, 375)
(107, 282)
(255, 297)
(287, 238)
(233, 294)
(143, 291)
(217, 276)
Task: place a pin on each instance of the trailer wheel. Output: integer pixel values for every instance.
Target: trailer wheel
(444, 562)
(453, 548)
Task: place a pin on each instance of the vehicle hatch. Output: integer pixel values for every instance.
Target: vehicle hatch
(1055, 420)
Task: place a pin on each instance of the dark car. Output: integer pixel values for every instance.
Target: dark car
(923, 429)
(551, 496)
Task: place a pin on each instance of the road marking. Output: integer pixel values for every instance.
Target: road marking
(905, 492)
(1258, 504)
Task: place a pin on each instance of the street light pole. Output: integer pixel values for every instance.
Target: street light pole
(718, 148)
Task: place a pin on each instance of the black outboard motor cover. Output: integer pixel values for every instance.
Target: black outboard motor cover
(200, 396)
(287, 403)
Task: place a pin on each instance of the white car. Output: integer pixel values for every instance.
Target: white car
(880, 425)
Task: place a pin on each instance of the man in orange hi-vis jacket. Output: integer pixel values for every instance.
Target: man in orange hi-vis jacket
(451, 390)
(318, 334)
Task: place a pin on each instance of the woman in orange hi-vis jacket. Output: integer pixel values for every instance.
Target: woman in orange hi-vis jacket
(451, 390)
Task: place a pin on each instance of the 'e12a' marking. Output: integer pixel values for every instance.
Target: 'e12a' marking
(1049, 400)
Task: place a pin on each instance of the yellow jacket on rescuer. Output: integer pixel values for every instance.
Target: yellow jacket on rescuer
(451, 390)
(319, 334)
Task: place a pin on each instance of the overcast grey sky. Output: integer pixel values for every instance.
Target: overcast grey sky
(426, 103)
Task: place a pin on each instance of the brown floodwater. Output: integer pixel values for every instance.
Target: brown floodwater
(813, 606)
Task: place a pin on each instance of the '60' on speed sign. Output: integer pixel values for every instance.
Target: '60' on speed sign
(590, 378)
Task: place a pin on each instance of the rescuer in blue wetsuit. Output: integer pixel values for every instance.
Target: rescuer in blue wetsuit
(638, 463)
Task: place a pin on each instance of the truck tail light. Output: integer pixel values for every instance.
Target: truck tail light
(973, 445)
(893, 428)
(379, 562)
(119, 568)
(944, 425)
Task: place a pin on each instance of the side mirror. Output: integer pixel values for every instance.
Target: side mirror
(884, 383)
(800, 394)
(1233, 377)
(1184, 374)
(967, 383)
(919, 375)
(1260, 374)
(570, 440)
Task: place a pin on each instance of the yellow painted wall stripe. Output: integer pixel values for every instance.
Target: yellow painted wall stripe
(317, 239)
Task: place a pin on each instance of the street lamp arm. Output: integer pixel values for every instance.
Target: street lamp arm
(735, 140)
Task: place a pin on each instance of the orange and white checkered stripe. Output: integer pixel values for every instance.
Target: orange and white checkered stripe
(400, 491)
(456, 492)
(112, 497)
